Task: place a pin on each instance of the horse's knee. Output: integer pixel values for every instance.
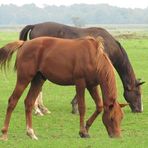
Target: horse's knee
(11, 103)
(99, 109)
(28, 105)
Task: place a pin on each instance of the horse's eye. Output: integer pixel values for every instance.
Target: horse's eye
(112, 119)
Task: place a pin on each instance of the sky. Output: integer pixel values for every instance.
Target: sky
(118, 3)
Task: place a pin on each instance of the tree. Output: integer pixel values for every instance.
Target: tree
(78, 22)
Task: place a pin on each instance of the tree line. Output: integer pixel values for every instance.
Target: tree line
(78, 14)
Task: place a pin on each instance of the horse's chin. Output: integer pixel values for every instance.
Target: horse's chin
(118, 135)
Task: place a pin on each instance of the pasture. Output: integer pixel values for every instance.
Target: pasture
(60, 128)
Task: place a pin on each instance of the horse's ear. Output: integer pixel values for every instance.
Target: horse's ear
(123, 104)
(140, 83)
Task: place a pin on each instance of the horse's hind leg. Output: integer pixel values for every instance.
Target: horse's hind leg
(80, 90)
(36, 105)
(34, 90)
(19, 88)
(74, 104)
(99, 106)
(41, 106)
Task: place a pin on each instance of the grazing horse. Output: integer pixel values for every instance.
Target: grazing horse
(80, 62)
(116, 53)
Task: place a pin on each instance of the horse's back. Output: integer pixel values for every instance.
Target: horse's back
(46, 29)
(70, 32)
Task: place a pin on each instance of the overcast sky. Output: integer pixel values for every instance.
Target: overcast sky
(119, 3)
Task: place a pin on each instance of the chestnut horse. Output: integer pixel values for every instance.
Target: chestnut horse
(114, 50)
(80, 62)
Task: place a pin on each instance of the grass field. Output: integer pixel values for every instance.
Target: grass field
(60, 128)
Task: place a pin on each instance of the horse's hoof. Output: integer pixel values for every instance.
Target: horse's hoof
(46, 111)
(3, 138)
(32, 136)
(84, 135)
(39, 113)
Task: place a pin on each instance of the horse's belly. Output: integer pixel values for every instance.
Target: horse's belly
(59, 76)
(60, 80)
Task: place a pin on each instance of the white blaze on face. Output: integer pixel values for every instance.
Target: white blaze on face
(141, 106)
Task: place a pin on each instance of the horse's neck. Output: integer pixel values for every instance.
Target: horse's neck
(108, 88)
(106, 79)
(120, 60)
(126, 74)
(125, 70)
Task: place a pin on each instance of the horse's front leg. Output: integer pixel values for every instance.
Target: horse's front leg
(99, 105)
(34, 90)
(80, 91)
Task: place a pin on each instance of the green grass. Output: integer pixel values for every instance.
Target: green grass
(60, 128)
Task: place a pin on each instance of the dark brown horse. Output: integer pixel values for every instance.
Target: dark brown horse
(114, 50)
(79, 62)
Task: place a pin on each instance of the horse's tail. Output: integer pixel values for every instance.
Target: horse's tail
(24, 32)
(7, 51)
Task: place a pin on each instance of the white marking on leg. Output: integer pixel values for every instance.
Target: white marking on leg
(36, 106)
(40, 98)
(41, 106)
(38, 112)
(30, 133)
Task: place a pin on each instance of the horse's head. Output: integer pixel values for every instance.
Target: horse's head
(135, 93)
(112, 118)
